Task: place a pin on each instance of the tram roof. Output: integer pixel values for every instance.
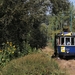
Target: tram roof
(66, 34)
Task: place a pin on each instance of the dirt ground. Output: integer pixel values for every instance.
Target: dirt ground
(68, 65)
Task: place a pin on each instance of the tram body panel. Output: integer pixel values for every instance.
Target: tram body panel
(66, 50)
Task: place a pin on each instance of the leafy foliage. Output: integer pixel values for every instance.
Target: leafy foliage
(59, 5)
(20, 22)
(7, 53)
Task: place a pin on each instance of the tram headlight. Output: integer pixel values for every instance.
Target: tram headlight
(67, 50)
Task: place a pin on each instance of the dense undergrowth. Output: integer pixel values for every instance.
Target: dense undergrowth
(32, 64)
(10, 51)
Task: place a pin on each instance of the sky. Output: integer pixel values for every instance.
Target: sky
(72, 1)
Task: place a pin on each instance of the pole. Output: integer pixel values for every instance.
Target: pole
(71, 16)
(56, 25)
(62, 15)
(61, 24)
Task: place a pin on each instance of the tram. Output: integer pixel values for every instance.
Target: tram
(64, 44)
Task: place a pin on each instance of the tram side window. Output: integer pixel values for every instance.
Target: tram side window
(58, 41)
(62, 41)
(72, 41)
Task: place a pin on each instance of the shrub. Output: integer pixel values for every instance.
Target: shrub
(7, 53)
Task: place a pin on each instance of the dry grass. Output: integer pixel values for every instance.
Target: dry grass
(32, 64)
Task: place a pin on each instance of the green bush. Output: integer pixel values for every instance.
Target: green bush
(7, 53)
(25, 50)
(32, 64)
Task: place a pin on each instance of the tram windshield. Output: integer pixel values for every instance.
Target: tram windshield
(62, 41)
(66, 41)
(72, 41)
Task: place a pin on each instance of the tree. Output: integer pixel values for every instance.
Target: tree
(21, 19)
(59, 5)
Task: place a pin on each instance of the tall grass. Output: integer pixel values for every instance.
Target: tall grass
(32, 64)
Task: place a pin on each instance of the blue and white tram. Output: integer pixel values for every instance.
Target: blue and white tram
(65, 44)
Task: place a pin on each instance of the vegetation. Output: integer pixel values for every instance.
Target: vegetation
(33, 64)
(63, 20)
(20, 20)
(26, 26)
(7, 53)
(24, 23)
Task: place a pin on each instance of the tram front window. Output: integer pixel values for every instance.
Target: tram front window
(72, 41)
(67, 41)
